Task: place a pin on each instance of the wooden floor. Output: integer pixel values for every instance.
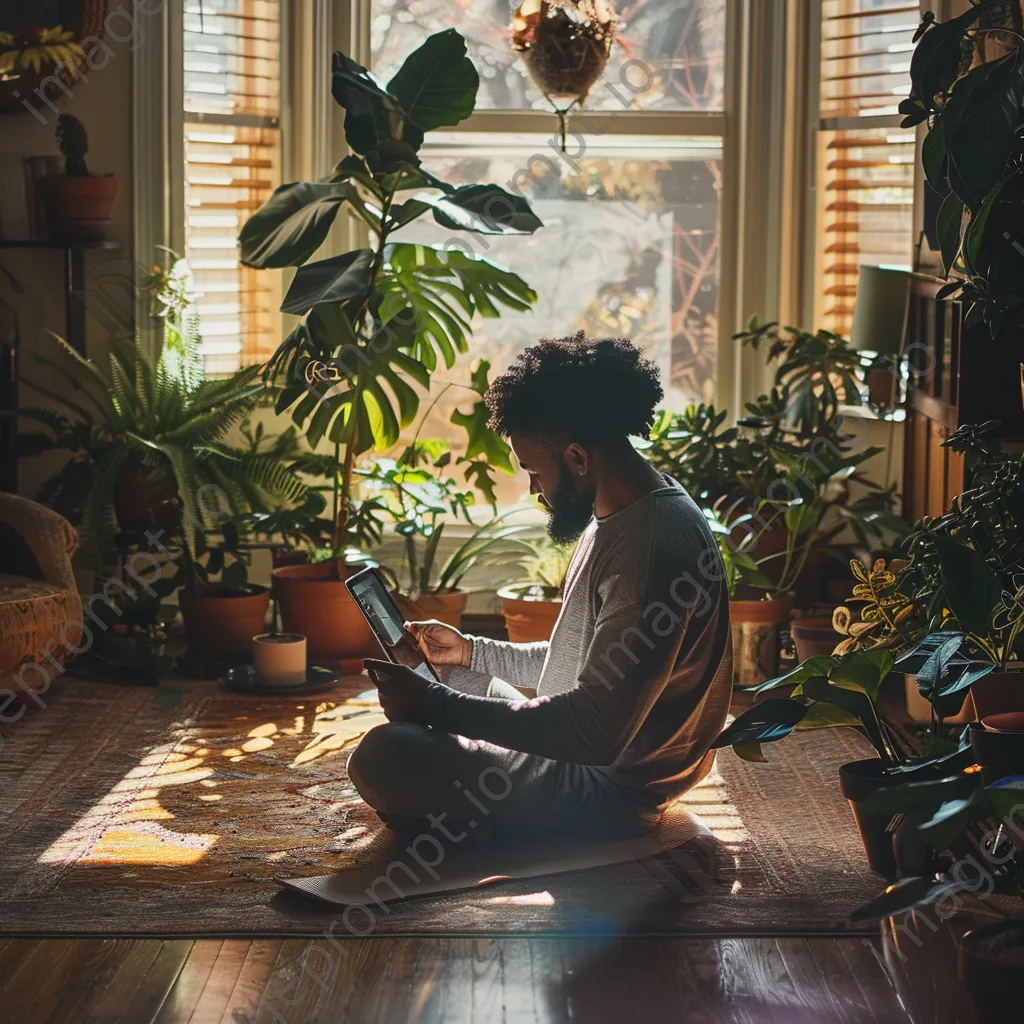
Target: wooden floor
(236, 981)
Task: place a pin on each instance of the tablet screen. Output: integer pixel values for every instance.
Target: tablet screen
(380, 611)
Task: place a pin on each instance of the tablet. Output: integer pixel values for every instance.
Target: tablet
(371, 596)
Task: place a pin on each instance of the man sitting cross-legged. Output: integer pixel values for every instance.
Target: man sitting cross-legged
(596, 731)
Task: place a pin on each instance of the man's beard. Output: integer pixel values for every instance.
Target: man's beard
(569, 511)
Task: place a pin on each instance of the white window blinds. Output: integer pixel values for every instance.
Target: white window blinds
(865, 180)
(232, 74)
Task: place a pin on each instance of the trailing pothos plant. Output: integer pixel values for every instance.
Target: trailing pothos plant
(967, 82)
(379, 321)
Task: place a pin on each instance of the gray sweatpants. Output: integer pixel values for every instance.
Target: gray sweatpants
(414, 772)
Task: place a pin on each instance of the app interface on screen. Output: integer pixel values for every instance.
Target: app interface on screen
(376, 606)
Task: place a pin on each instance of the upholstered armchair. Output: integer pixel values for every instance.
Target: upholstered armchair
(40, 608)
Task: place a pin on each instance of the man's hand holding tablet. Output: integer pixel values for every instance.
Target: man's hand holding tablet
(401, 689)
(442, 644)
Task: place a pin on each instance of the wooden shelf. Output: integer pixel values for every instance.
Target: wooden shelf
(61, 246)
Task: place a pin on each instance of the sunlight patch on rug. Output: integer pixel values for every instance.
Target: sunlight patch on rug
(123, 827)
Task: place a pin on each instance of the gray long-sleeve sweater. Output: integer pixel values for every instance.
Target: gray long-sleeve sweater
(637, 677)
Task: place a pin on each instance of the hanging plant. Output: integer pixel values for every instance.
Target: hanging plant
(565, 46)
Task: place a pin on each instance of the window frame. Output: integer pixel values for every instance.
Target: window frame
(352, 34)
(756, 178)
(817, 125)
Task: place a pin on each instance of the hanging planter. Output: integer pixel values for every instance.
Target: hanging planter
(565, 46)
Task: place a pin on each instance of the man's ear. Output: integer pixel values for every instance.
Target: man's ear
(577, 459)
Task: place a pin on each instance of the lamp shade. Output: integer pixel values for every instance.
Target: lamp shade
(880, 312)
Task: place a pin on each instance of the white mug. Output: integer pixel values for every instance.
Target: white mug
(280, 658)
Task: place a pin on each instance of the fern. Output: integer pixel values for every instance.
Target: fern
(160, 414)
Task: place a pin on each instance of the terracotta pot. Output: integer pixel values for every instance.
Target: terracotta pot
(857, 780)
(839, 591)
(755, 638)
(998, 692)
(221, 626)
(813, 636)
(143, 499)
(528, 618)
(883, 385)
(920, 710)
(1005, 721)
(316, 604)
(445, 607)
(79, 208)
(991, 968)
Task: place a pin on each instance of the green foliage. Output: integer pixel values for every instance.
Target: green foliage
(545, 563)
(415, 494)
(973, 103)
(379, 321)
(815, 375)
(139, 411)
(957, 812)
(785, 467)
(849, 684)
(966, 568)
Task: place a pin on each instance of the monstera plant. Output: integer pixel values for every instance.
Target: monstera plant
(378, 321)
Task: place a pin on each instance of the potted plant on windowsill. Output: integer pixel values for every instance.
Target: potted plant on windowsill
(420, 499)
(778, 486)
(531, 606)
(78, 204)
(799, 520)
(378, 321)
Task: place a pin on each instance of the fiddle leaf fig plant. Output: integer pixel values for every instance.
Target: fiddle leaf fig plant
(378, 321)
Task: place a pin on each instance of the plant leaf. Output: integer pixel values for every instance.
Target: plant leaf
(933, 155)
(750, 752)
(936, 60)
(982, 139)
(820, 665)
(292, 224)
(373, 118)
(970, 585)
(437, 84)
(904, 895)
(484, 210)
(947, 225)
(331, 280)
(765, 722)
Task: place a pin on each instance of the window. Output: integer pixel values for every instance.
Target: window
(865, 179)
(630, 245)
(682, 43)
(232, 137)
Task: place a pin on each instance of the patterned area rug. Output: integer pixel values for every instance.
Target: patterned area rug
(172, 811)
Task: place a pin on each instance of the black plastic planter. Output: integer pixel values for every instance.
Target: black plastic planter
(857, 780)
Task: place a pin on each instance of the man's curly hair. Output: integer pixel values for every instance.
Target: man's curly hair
(592, 391)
